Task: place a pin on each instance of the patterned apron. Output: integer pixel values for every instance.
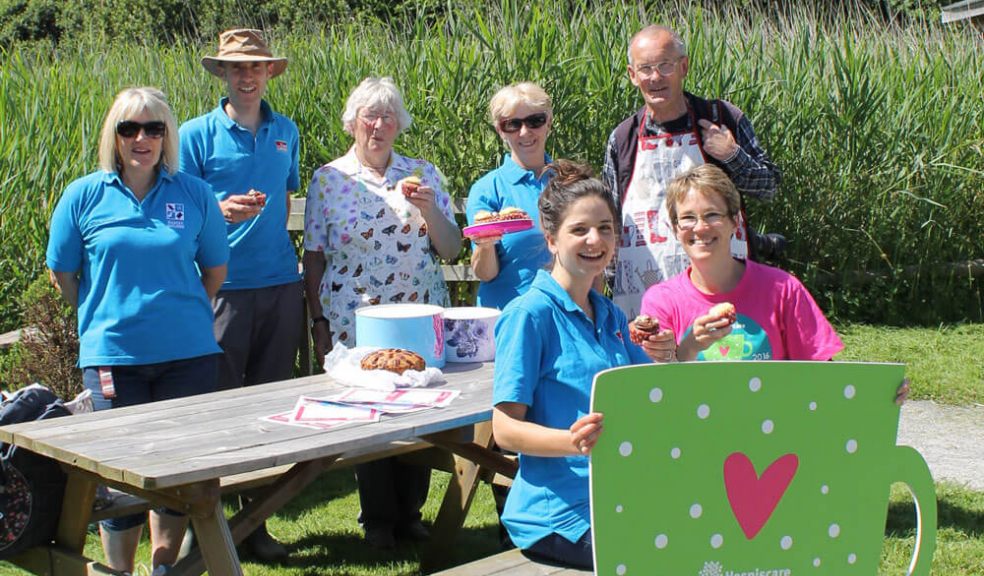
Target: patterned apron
(649, 252)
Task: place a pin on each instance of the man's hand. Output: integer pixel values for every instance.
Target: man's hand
(239, 207)
(719, 142)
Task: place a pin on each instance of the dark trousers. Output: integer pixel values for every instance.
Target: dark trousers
(391, 492)
(560, 550)
(259, 331)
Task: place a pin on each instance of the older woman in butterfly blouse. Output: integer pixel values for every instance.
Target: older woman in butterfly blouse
(365, 241)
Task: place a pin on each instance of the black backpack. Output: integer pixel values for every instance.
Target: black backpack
(31, 486)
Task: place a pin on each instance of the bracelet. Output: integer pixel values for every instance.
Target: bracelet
(317, 319)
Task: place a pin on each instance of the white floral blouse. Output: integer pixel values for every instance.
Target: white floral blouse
(375, 242)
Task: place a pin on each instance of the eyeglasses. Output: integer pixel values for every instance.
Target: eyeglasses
(372, 117)
(533, 121)
(667, 68)
(689, 222)
(130, 129)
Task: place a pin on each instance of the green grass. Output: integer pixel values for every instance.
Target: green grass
(945, 364)
(320, 529)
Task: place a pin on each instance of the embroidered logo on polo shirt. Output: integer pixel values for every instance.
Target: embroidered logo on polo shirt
(174, 212)
(281, 146)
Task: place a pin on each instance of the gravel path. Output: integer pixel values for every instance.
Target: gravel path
(950, 438)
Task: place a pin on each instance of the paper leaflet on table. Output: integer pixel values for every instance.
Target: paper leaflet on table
(343, 365)
(399, 401)
(284, 418)
(309, 410)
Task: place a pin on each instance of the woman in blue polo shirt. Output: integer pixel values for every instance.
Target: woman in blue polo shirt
(139, 249)
(550, 342)
(521, 114)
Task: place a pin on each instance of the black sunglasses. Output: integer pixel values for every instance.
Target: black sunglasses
(532, 121)
(130, 129)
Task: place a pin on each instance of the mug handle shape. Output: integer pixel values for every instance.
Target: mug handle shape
(912, 470)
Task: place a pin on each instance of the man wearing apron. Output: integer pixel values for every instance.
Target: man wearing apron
(672, 133)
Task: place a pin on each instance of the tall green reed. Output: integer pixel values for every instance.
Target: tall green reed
(877, 129)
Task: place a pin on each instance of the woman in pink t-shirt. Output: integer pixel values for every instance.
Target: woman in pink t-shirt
(773, 315)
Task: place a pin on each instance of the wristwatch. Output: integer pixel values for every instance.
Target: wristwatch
(317, 319)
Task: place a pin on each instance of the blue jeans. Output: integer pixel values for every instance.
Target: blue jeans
(560, 550)
(148, 383)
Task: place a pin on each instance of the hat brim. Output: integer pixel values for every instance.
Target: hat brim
(212, 64)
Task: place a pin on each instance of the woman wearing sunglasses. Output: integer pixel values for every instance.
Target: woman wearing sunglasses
(139, 249)
(506, 265)
(774, 317)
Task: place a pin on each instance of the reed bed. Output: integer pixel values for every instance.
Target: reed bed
(877, 128)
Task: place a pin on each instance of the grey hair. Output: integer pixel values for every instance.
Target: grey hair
(375, 92)
(654, 29)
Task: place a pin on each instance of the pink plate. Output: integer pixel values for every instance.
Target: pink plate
(497, 228)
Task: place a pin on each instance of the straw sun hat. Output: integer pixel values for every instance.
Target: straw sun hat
(243, 45)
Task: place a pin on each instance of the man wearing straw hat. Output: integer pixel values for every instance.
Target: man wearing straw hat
(250, 155)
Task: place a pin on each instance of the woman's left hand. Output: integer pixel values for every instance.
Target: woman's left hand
(585, 432)
(424, 199)
(902, 392)
(661, 347)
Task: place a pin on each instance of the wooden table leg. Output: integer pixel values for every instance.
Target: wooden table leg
(457, 501)
(216, 545)
(80, 494)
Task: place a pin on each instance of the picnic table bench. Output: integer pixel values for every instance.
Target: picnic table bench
(180, 453)
(512, 563)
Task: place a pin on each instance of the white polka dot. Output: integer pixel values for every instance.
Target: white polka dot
(625, 448)
(813, 406)
(825, 489)
(620, 569)
(755, 384)
(716, 541)
(655, 395)
(852, 446)
(661, 541)
(675, 453)
(768, 427)
(834, 530)
(696, 510)
(852, 558)
(703, 411)
(849, 391)
(786, 543)
(619, 508)
(816, 562)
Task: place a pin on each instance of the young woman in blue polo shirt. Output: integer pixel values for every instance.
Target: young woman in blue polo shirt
(550, 342)
(139, 249)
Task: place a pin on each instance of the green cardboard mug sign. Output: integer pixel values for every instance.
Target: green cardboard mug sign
(751, 469)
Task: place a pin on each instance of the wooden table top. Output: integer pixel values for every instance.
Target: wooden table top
(177, 442)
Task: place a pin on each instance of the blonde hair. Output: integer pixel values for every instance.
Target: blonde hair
(132, 102)
(375, 92)
(706, 179)
(508, 98)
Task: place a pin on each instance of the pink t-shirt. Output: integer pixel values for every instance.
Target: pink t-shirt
(777, 317)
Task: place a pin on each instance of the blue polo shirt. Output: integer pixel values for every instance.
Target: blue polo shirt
(547, 354)
(141, 300)
(520, 254)
(227, 156)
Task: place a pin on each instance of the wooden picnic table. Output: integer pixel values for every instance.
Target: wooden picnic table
(175, 453)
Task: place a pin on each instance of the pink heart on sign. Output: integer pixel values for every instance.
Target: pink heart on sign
(724, 350)
(753, 498)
